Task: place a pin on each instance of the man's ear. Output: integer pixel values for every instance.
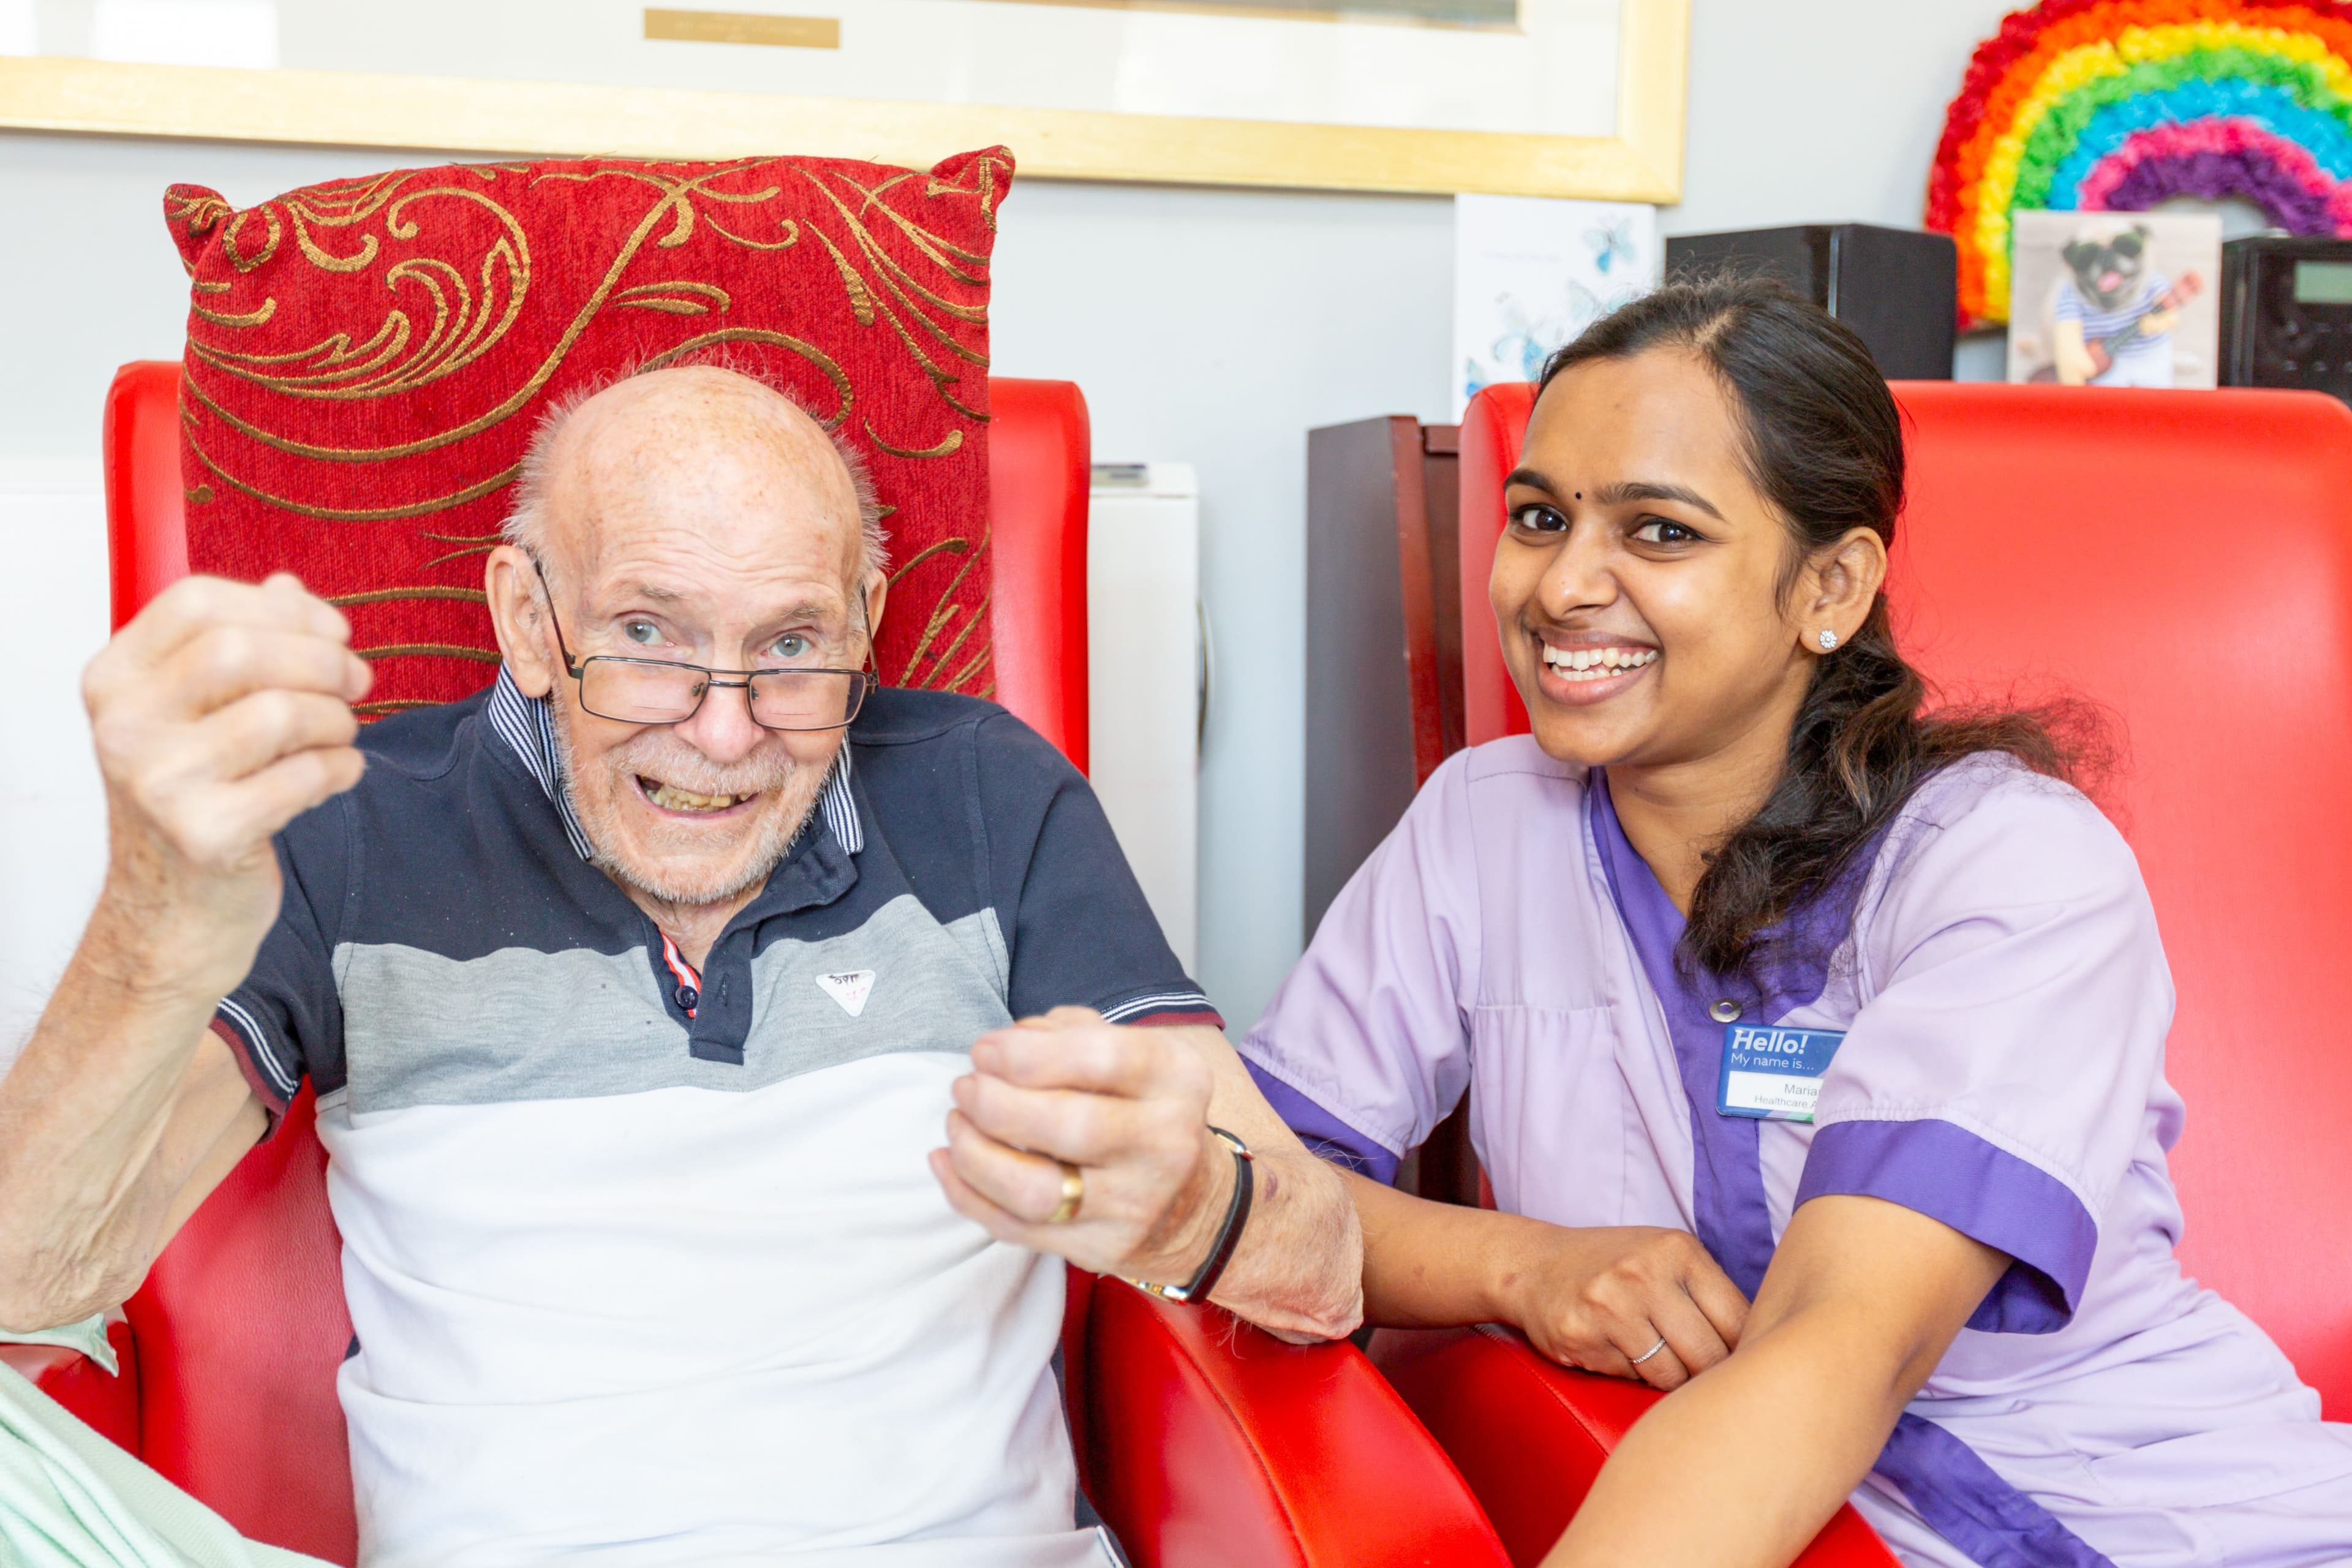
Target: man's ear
(518, 614)
(1842, 586)
(877, 595)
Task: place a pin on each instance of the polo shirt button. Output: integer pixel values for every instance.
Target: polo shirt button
(686, 996)
(1725, 1012)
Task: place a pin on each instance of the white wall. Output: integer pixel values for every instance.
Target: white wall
(1208, 326)
(52, 826)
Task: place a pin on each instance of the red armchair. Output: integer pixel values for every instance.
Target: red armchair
(2184, 559)
(1202, 1443)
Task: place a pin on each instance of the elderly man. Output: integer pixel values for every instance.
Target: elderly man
(635, 991)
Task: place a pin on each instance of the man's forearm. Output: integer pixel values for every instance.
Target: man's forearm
(91, 1155)
(1299, 1270)
(1126, 1111)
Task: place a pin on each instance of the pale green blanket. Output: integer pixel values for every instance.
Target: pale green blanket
(69, 1498)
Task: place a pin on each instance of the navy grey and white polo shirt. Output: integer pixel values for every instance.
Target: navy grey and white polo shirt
(648, 1264)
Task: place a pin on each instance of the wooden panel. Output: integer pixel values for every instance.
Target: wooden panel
(1441, 467)
(1384, 703)
(1362, 480)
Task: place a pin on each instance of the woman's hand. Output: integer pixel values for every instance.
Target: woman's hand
(1599, 1298)
(1602, 1298)
(1861, 1301)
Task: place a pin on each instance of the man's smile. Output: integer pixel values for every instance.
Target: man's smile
(680, 802)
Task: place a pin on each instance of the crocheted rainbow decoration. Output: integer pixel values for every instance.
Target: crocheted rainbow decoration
(2116, 105)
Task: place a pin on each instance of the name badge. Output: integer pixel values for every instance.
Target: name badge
(1773, 1075)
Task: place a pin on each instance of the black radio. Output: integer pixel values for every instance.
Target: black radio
(2287, 313)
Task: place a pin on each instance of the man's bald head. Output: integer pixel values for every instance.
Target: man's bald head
(604, 453)
(689, 517)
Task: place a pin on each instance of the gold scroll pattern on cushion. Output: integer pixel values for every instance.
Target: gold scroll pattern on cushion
(367, 359)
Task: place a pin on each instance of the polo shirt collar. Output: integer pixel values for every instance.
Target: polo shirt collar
(527, 724)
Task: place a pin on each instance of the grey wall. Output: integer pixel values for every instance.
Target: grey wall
(1208, 326)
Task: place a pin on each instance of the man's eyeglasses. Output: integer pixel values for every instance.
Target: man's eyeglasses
(661, 691)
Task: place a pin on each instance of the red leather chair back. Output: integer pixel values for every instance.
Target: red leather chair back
(1040, 456)
(1491, 428)
(2184, 559)
(240, 1325)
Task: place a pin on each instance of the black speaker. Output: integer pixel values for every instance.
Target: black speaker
(1899, 287)
(2287, 313)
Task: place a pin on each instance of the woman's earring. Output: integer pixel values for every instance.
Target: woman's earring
(1828, 639)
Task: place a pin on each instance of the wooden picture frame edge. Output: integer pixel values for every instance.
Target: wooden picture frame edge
(1642, 162)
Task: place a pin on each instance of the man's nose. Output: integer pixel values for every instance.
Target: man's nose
(722, 728)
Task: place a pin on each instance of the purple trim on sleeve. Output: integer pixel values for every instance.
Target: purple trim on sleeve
(1972, 1505)
(1326, 1136)
(1948, 1173)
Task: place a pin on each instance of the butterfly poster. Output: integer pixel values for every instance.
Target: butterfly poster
(1531, 272)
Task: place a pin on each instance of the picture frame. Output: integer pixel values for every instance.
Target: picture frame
(1640, 160)
(2141, 291)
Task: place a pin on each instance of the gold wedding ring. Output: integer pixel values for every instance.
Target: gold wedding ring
(1074, 1193)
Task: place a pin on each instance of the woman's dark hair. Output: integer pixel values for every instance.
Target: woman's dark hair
(1825, 444)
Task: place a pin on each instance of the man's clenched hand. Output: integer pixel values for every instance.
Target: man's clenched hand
(1128, 1107)
(222, 712)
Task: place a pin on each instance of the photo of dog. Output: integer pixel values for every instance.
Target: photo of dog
(2115, 298)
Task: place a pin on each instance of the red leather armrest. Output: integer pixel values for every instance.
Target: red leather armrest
(109, 1404)
(1212, 1444)
(1531, 1436)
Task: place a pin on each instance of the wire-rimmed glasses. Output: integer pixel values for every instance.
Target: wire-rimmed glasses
(662, 692)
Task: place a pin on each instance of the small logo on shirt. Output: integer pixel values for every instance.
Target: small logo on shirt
(849, 988)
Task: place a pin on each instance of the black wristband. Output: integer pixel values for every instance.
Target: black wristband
(1229, 1235)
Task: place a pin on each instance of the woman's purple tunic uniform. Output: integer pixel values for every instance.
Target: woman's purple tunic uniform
(1997, 975)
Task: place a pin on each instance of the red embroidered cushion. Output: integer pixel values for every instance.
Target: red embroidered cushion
(367, 359)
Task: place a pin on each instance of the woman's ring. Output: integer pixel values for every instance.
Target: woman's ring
(1074, 1193)
(1651, 1352)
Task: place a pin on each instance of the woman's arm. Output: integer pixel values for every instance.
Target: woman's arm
(1862, 1299)
(1593, 1298)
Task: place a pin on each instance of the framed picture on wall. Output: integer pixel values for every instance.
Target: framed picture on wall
(2102, 299)
(1563, 98)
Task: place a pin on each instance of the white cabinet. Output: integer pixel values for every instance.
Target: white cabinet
(1147, 680)
(52, 805)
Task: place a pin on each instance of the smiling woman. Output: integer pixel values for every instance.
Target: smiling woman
(1742, 463)
(1817, 1037)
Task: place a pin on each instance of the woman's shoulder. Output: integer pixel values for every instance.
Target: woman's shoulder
(1987, 787)
(1498, 785)
(1513, 756)
(1490, 818)
(1988, 827)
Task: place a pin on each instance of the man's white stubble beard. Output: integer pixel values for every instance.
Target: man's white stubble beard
(680, 764)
